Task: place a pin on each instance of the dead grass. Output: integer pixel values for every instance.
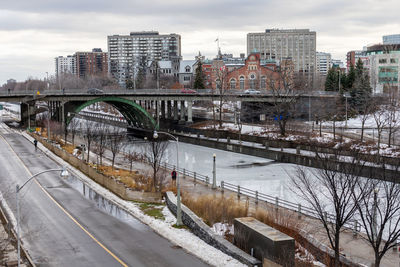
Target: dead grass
(132, 179)
(213, 209)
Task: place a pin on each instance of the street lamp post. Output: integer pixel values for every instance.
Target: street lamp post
(178, 197)
(214, 185)
(63, 173)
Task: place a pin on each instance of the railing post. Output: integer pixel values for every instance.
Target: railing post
(184, 173)
(222, 186)
(165, 166)
(207, 180)
(299, 210)
(238, 191)
(256, 197)
(326, 216)
(194, 177)
(276, 202)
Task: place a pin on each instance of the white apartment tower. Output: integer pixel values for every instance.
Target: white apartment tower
(65, 65)
(129, 53)
(297, 44)
(324, 61)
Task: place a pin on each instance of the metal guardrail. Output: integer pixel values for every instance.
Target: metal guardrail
(258, 196)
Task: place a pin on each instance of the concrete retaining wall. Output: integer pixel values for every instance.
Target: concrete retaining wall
(115, 186)
(200, 229)
(281, 156)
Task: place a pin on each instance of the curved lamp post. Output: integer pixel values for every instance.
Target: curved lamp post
(178, 197)
(63, 173)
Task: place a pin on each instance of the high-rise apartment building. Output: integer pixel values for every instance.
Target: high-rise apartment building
(65, 65)
(91, 63)
(129, 53)
(275, 44)
(391, 39)
(324, 61)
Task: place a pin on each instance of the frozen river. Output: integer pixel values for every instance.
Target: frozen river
(263, 175)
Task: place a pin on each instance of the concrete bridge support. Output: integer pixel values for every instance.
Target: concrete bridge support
(169, 109)
(175, 110)
(189, 112)
(28, 114)
(162, 109)
(182, 119)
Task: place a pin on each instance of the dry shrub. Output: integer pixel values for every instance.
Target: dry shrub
(213, 209)
(132, 180)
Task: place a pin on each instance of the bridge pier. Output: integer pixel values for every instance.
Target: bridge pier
(189, 112)
(169, 109)
(28, 114)
(183, 119)
(162, 109)
(175, 110)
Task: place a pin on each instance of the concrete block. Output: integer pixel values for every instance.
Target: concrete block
(265, 241)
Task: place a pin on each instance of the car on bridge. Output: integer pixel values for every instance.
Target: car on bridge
(252, 92)
(95, 91)
(188, 91)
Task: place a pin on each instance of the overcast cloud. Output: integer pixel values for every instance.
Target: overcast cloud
(33, 32)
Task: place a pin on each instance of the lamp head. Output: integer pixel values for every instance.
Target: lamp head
(64, 173)
(155, 135)
(214, 155)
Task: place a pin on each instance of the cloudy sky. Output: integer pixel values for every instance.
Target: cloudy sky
(33, 32)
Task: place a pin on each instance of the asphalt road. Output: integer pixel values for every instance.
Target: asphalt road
(60, 227)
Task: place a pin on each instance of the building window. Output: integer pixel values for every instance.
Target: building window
(241, 81)
(382, 61)
(187, 68)
(263, 82)
(186, 78)
(394, 60)
(252, 81)
(233, 83)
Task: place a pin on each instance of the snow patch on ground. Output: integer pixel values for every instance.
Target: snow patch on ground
(223, 228)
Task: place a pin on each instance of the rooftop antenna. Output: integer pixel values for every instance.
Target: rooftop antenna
(219, 48)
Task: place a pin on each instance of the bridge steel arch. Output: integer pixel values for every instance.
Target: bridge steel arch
(135, 115)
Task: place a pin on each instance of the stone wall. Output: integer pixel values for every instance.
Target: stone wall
(204, 232)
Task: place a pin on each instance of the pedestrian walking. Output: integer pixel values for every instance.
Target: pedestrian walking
(173, 176)
(35, 144)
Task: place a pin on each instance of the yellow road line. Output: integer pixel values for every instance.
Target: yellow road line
(65, 211)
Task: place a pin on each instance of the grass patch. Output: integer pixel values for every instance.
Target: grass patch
(153, 210)
(180, 226)
(213, 209)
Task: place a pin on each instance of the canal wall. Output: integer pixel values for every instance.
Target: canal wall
(364, 170)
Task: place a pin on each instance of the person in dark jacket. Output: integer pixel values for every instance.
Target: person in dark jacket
(173, 176)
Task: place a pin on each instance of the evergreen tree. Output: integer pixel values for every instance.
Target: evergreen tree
(359, 68)
(351, 76)
(361, 89)
(129, 84)
(331, 82)
(199, 77)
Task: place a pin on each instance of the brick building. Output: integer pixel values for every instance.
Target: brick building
(254, 74)
(91, 63)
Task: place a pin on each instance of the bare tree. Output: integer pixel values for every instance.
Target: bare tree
(89, 134)
(328, 190)
(392, 117)
(73, 128)
(379, 211)
(380, 119)
(101, 140)
(221, 88)
(154, 155)
(365, 114)
(284, 96)
(131, 156)
(116, 142)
